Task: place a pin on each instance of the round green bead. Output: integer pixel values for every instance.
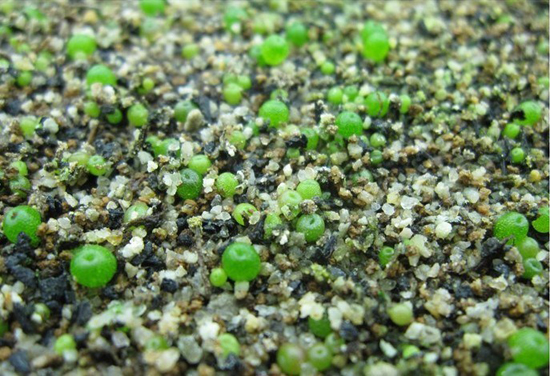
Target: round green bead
(361, 177)
(275, 50)
(349, 123)
(226, 184)
(93, 265)
(542, 223)
(157, 343)
(296, 33)
(182, 109)
(81, 158)
(319, 356)
(511, 130)
(370, 28)
(377, 104)
(376, 47)
(376, 157)
(165, 147)
(242, 213)
(233, 94)
(289, 202)
(515, 369)
(530, 347)
(241, 262)
(22, 219)
(97, 165)
(136, 211)
(401, 314)
(385, 255)
(532, 267)
(272, 221)
(511, 224)
(102, 74)
(312, 226)
(279, 94)
(410, 351)
(275, 111)
(517, 155)
(334, 343)
(335, 96)
(137, 115)
(64, 343)
(309, 189)
(191, 185)
(19, 185)
(531, 113)
(528, 248)
(290, 358)
(152, 7)
(229, 345)
(200, 164)
(81, 46)
(321, 328)
(312, 138)
(218, 277)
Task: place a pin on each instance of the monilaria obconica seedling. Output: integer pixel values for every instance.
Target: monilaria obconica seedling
(218, 277)
(349, 123)
(81, 46)
(157, 343)
(377, 140)
(511, 130)
(530, 347)
(275, 50)
(64, 343)
(242, 213)
(376, 157)
(152, 7)
(97, 165)
(320, 356)
(81, 158)
(93, 265)
(238, 139)
(272, 221)
(289, 202)
(100, 74)
(377, 104)
(527, 113)
(542, 223)
(200, 164)
(167, 147)
(275, 111)
(20, 185)
(321, 328)
(335, 96)
(189, 51)
(233, 18)
(114, 117)
(24, 78)
(312, 138)
(401, 314)
(511, 225)
(517, 155)
(191, 184)
(20, 167)
(22, 219)
(516, 369)
(290, 358)
(385, 255)
(328, 68)
(226, 184)
(296, 33)
(182, 110)
(136, 211)
(334, 343)
(528, 248)
(92, 109)
(232, 94)
(137, 115)
(350, 93)
(312, 226)
(229, 344)
(28, 126)
(532, 267)
(241, 262)
(309, 189)
(405, 103)
(376, 44)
